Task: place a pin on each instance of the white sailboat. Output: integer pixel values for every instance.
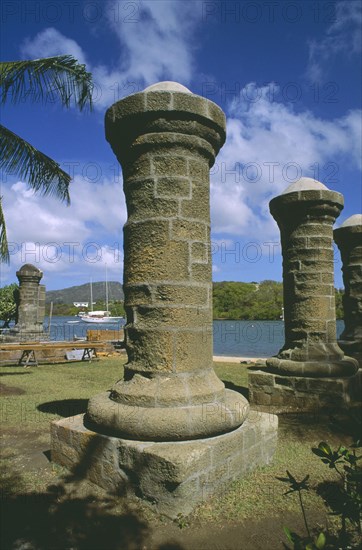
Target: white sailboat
(100, 316)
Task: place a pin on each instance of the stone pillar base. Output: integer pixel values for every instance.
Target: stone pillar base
(317, 368)
(285, 394)
(352, 348)
(171, 476)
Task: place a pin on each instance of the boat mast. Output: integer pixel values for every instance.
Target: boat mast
(91, 294)
(106, 290)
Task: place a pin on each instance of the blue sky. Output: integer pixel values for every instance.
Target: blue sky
(286, 73)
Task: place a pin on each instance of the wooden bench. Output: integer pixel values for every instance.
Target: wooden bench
(28, 356)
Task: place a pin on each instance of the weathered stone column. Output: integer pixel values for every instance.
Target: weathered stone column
(31, 309)
(166, 139)
(305, 213)
(349, 240)
(310, 372)
(150, 434)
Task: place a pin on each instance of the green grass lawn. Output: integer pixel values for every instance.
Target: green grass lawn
(32, 398)
(54, 383)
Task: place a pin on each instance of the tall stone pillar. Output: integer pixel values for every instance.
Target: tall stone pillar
(169, 431)
(166, 140)
(349, 240)
(31, 308)
(305, 213)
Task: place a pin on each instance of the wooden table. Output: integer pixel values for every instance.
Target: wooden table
(28, 356)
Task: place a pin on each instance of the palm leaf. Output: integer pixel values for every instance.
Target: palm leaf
(43, 174)
(4, 250)
(42, 79)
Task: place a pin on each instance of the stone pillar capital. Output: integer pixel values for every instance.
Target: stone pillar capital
(28, 273)
(349, 232)
(306, 203)
(166, 114)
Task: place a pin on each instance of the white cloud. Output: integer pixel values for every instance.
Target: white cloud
(343, 36)
(269, 146)
(87, 260)
(84, 236)
(158, 44)
(49, 43)
(155, 44)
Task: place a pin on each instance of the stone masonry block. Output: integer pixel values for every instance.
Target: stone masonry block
(169, 166)
(258, 378)
(154, 257)
(131, 104)
(150, 349)
(184, 229)
(199, 252)
(175, 317)
(173, 476)
(138, 295)
(139, 169)
(309, 395)
(201, 272)
(195, 208)
(143, 204)
(159, 102)
(199, 171)
(187, 350)
(173, 187)
(193, 295)
(189, 102)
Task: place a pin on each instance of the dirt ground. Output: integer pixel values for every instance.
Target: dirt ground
(45, 508)
(45, 520)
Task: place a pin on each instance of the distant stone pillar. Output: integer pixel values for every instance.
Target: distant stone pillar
(349, 240)
(305, 213)
(31, 308)
(166, 139)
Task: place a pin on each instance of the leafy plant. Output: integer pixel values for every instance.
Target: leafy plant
(181, 521)
(308, 542)
(347, 501)
(8, 303)
(39, 80)
(301, 543)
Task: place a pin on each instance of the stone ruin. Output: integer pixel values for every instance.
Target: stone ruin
(349, 240)
(169, 431)
(30, 307)
(311, 371)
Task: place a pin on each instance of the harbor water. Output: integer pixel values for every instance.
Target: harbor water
(231, 338)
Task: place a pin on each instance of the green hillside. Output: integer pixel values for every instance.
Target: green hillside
(234, 300)
(82, 293)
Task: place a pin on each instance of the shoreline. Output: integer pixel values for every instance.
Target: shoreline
(230, 359)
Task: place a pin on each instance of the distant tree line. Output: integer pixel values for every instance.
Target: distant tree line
(256, 301)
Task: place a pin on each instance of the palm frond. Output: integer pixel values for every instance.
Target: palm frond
(43, 174)
(42, 79)
(4, 250)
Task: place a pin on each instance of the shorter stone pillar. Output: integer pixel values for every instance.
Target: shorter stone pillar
(31, 308)
(349, 240)
(302, 375)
